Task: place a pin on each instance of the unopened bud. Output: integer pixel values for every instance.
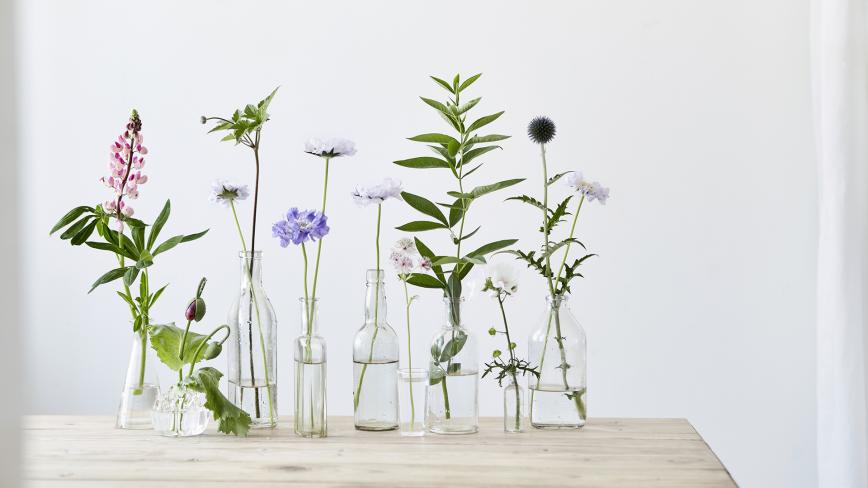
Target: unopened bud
(195, 310)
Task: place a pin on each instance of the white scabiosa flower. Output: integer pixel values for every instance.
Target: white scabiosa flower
(377, 194)
(591, 191)
(225, 193)
(330, 148)
(501, 278)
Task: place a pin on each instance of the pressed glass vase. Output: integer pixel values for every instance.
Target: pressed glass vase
(559, 349)
(252, 343)
(375, 363)
(453, 384)
(513, 407)
(310, 374)
(141, 386)
(180, 412)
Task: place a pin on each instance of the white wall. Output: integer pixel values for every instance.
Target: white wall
(696, 113)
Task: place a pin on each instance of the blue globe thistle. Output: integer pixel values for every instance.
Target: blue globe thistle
(541, 130)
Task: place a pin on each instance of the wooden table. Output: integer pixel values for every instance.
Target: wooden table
(88, 452)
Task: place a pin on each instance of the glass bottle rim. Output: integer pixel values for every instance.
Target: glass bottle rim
(310, 300)
(250, 254)
(406, 373)
(448, 299)
(374, 275)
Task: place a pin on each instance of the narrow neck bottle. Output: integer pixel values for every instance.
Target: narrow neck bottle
(375, 298)
(309, 316)
(453, 312)
(251, 268)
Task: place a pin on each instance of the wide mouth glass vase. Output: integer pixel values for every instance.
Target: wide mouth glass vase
(141, 385)
(559, 349)
(252, 344)
(180, 412)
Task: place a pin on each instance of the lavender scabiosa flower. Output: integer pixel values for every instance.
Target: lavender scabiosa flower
(330, 148)
(300, 226)
(590, 190)
(225, 193)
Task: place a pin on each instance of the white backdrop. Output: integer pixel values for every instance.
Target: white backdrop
(695, 113)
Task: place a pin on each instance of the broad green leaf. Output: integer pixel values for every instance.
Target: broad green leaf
(423, 162)
(168, 244)
(453, 347)
(491, 247)
(145, 260)
(420, 226)
(436, 374)
(83, 234)
(105, 246)
(434, 137)
(69, 217)
(134, 223)
(489, 138)
(231, 419)
(130, 275)
(425, 206)
(475, 153)
(158, 224)
(486, 189)
(76, 227)
(166, 341)
(138, 237)
(426, 252)
(193, 237)
(467, 106)
(468, 82)
(439, 106)
(425, 281)
(442, 83)
(108, 277)
(483, 121)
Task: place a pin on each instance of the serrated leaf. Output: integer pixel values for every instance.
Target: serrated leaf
(483, 121)
(230, 418)
(556, 216)
(556, 177)
(552, 248)
(69, 217)
(530, 201)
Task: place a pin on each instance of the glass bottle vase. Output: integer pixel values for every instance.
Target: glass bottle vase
(375, 363)
(310, 414)
(559, 349)
(141, 385)
(453, 384)
(513, 407)
(252, 378)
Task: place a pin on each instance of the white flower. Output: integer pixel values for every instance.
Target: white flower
(406, 245)
(224, 193)
(502, 276)
(591, 191)
(425, 264)
(330, 148)
(377, 194)
(402, 262)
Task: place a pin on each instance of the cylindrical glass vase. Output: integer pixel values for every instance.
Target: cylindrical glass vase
(453, 377)
(412, 383)
(559, 348)
(375, 363)
(252, 344)
(141, 386)
(310, 374)
(513, 407)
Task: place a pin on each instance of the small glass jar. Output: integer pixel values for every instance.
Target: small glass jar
(513, 407)
(412, 383)
(310, 413)
(180, 412)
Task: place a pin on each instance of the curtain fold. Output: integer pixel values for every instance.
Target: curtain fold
(840, 85)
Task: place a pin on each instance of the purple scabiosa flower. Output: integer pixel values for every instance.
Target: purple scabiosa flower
(330, 148)
(377, 194)
(300, 226)
(590, 190)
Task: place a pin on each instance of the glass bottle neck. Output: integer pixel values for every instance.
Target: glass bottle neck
(309, 316)
(375, 303)
(251, 268)
(556, 303)
(453, 309)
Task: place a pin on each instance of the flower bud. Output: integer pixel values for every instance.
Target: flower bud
(492, 331)
(195, 310)
(203, 120)
(496, 353)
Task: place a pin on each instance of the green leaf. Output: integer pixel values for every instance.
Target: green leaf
(442, 83)
(425, 206)
(486, 189)
(423, 162)
(491, 247)
(145, 260)
(466, 236)
(467, 106)
(453, 347)
(231, 419)
(83, 234)
(483, 121)
(420, 226)
(489, 138)
(474, 153)
(193, 237)
(556, 217)
(440, 261)
(530, 201)
(554, 247)
(105, 246)
(436, 374)
(435, 138)
(76, 228)
(156, 295)
(130, 275)
(425, 281)
(556, 177)
(468, 82)
(166, 341)
(439, 106)
(158, 224)
(108, 277)
(69, 217)
(426, 252)
(125, 298)
(138, 237)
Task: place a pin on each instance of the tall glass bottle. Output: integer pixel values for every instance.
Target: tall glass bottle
(375, 363)
(453, 385)
(141, 385)
(559, 349)
(252, 345)
(310, 374)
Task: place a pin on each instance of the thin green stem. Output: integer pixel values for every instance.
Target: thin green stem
(195, 358)
(358, 391)
(569, 242)
(319, 244)
(407, 302)
(511, 362)
(181, 350)
(545, 211)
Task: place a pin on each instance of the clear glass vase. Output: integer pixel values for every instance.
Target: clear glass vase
(310, 414)
(453, 377)
(141, 386)
(559, 349)
(411, 400)
(375, 363)
(252, 344)
(180, 412)
(513, 407)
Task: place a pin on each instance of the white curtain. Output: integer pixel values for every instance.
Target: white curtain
(840, 88)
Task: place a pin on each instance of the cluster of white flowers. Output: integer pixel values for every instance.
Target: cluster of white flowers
(591, 190)
(377, 194)
(405, 258)
(501, 277)
(330, 148)
(224, 192)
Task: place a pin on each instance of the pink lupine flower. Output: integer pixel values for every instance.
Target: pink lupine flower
(125, 155)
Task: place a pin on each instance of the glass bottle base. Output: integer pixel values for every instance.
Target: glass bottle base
(448, 428)
(376, 426)
(134, 411)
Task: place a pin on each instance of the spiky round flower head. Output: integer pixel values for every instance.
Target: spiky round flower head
(541, 130)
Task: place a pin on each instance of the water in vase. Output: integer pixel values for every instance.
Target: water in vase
(378, 400)
(252, 397)
(452, 404)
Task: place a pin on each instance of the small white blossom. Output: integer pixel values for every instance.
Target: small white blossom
(377, 194)
(503, 277)
(224, 193)
(425, 264)
(591, 191)
(403, 263)
(406, 246)
(330, 148)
